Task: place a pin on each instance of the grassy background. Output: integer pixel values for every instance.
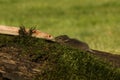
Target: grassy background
(93, 21)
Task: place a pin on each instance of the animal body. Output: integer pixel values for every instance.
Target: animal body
(64, 39)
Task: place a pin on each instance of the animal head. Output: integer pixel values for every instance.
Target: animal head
(62, 38)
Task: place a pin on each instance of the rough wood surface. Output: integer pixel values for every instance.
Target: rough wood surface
(14, 31)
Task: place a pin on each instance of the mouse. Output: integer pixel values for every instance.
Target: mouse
(66, 40)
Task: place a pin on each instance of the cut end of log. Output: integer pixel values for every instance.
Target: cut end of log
(40, 34)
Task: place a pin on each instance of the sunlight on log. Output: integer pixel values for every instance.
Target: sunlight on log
(15, 31)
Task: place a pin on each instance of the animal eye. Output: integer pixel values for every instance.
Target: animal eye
(60, 38)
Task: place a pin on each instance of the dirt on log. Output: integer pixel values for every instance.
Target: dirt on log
(13, 67)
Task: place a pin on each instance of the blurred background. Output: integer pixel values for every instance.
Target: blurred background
(96, 22)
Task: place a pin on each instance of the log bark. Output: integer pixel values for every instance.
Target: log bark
(15, 31)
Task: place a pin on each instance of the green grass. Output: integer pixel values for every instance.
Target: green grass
(63, 62)
(93, 21)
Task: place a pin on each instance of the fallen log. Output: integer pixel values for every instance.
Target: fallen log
(15, 31)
